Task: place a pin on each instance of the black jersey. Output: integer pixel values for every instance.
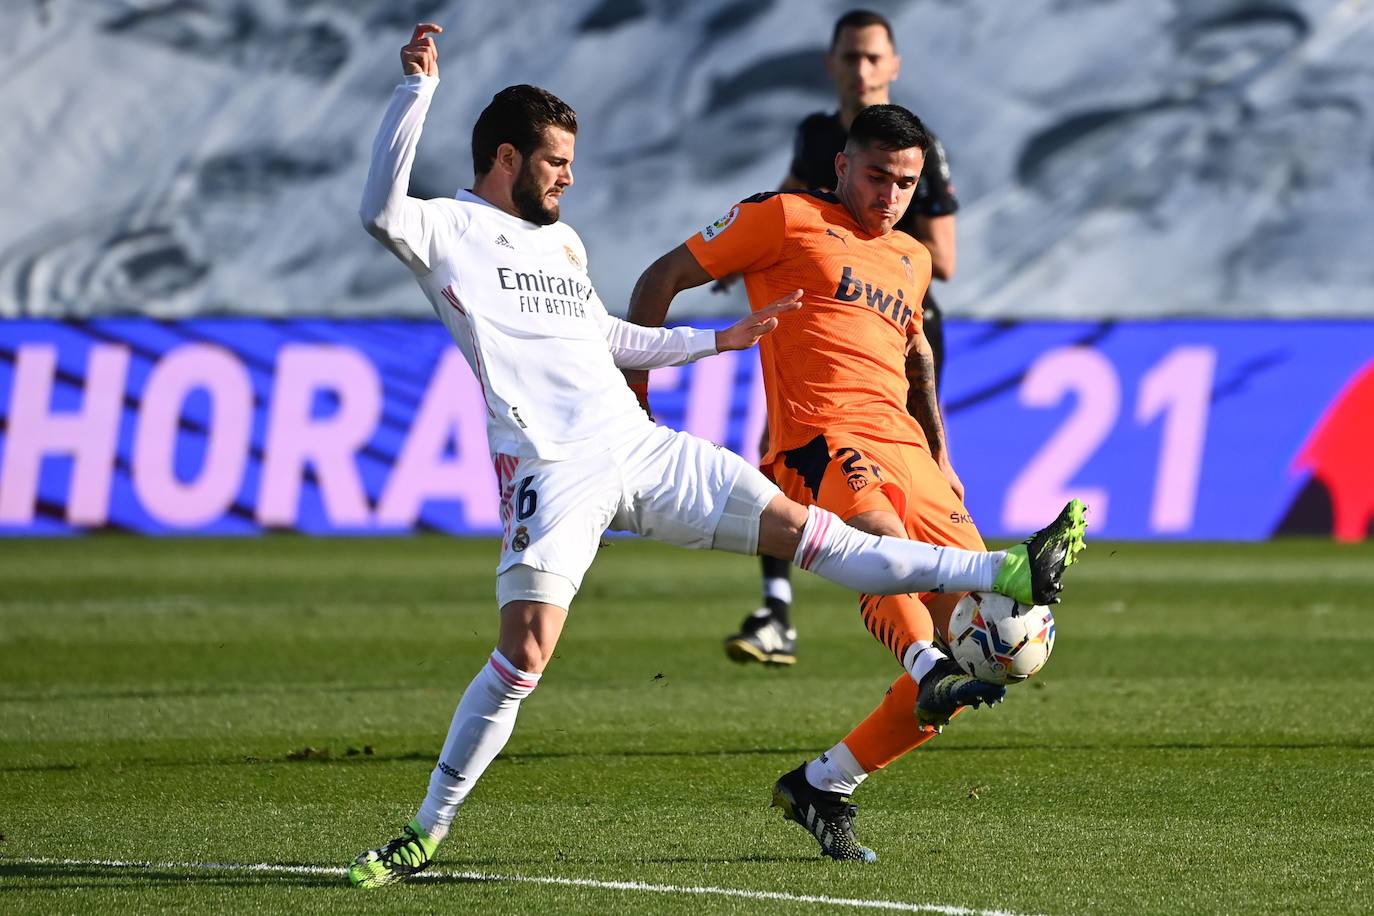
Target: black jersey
(820, 136)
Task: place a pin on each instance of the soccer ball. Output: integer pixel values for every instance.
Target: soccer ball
(999, 641)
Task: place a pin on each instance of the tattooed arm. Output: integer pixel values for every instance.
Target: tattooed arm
(923, 404)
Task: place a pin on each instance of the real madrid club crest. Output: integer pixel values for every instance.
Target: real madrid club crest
(573, 259)
(521, 539)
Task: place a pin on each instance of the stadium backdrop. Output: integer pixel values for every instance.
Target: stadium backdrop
(1177, 429)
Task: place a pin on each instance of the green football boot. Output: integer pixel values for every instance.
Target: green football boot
(1034, 569)
(404, 856)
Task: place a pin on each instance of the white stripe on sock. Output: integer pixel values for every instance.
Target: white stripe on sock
(920, 658)
(778, 588)
(836, 770)
(481, 726)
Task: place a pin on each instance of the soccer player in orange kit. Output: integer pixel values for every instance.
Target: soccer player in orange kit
(864, 64)
(854, 424)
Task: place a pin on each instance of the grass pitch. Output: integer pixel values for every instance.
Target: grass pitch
(1202, 740)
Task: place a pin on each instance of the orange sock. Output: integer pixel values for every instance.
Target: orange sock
(896, 621)
(890, 730)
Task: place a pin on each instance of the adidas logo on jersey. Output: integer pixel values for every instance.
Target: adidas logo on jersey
(501, 240)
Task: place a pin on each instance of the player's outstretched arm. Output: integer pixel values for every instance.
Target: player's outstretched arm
(640, 349)
(661, 282)
(746, 332)
(635, 347)
(399, 222)
(653, 293)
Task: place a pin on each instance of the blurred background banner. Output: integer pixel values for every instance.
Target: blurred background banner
(1181, 429)
(1113, 158)
(197, 336)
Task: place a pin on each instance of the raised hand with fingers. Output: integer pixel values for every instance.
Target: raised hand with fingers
(421, 57)
(744, 333)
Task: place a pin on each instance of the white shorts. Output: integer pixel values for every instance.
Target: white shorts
(666, 485)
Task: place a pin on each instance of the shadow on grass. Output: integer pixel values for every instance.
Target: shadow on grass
(508, 862)
(87, 876)
(204, 692)
(56, 876)
(428, 756)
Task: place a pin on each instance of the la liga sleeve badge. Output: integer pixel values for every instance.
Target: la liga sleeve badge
(720, 225)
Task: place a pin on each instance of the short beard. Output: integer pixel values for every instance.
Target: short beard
(528, 199)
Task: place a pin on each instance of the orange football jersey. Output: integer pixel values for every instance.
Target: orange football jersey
(837, 364)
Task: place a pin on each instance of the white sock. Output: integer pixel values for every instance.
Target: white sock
(920, 658)
(481, 726)
(888, 565)
(779, 589)
(836, 771)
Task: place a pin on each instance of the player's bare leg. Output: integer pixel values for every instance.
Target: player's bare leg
(481, 726)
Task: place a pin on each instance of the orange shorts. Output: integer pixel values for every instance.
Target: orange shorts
(852, 475)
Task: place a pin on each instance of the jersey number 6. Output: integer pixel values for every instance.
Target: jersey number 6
(526, 499)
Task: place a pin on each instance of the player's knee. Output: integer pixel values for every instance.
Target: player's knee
(524, 652)
(780, 527)
(742, 521)
(528, 636)
(880, 522)
(533, 610)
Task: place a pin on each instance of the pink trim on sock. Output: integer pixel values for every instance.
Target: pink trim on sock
(816, 540)
(510, 675)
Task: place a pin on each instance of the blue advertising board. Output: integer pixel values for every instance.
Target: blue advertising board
(1179, 429)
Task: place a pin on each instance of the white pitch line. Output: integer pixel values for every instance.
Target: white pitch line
(269, 868)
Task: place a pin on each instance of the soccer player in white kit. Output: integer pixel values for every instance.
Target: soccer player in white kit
(574, 452)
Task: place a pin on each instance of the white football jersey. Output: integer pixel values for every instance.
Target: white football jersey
(518, 301)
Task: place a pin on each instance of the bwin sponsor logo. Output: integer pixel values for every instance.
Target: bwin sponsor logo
(852, 289)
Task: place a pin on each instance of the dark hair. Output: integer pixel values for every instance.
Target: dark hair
(889, 127)
(517, 115)
(861, 19)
